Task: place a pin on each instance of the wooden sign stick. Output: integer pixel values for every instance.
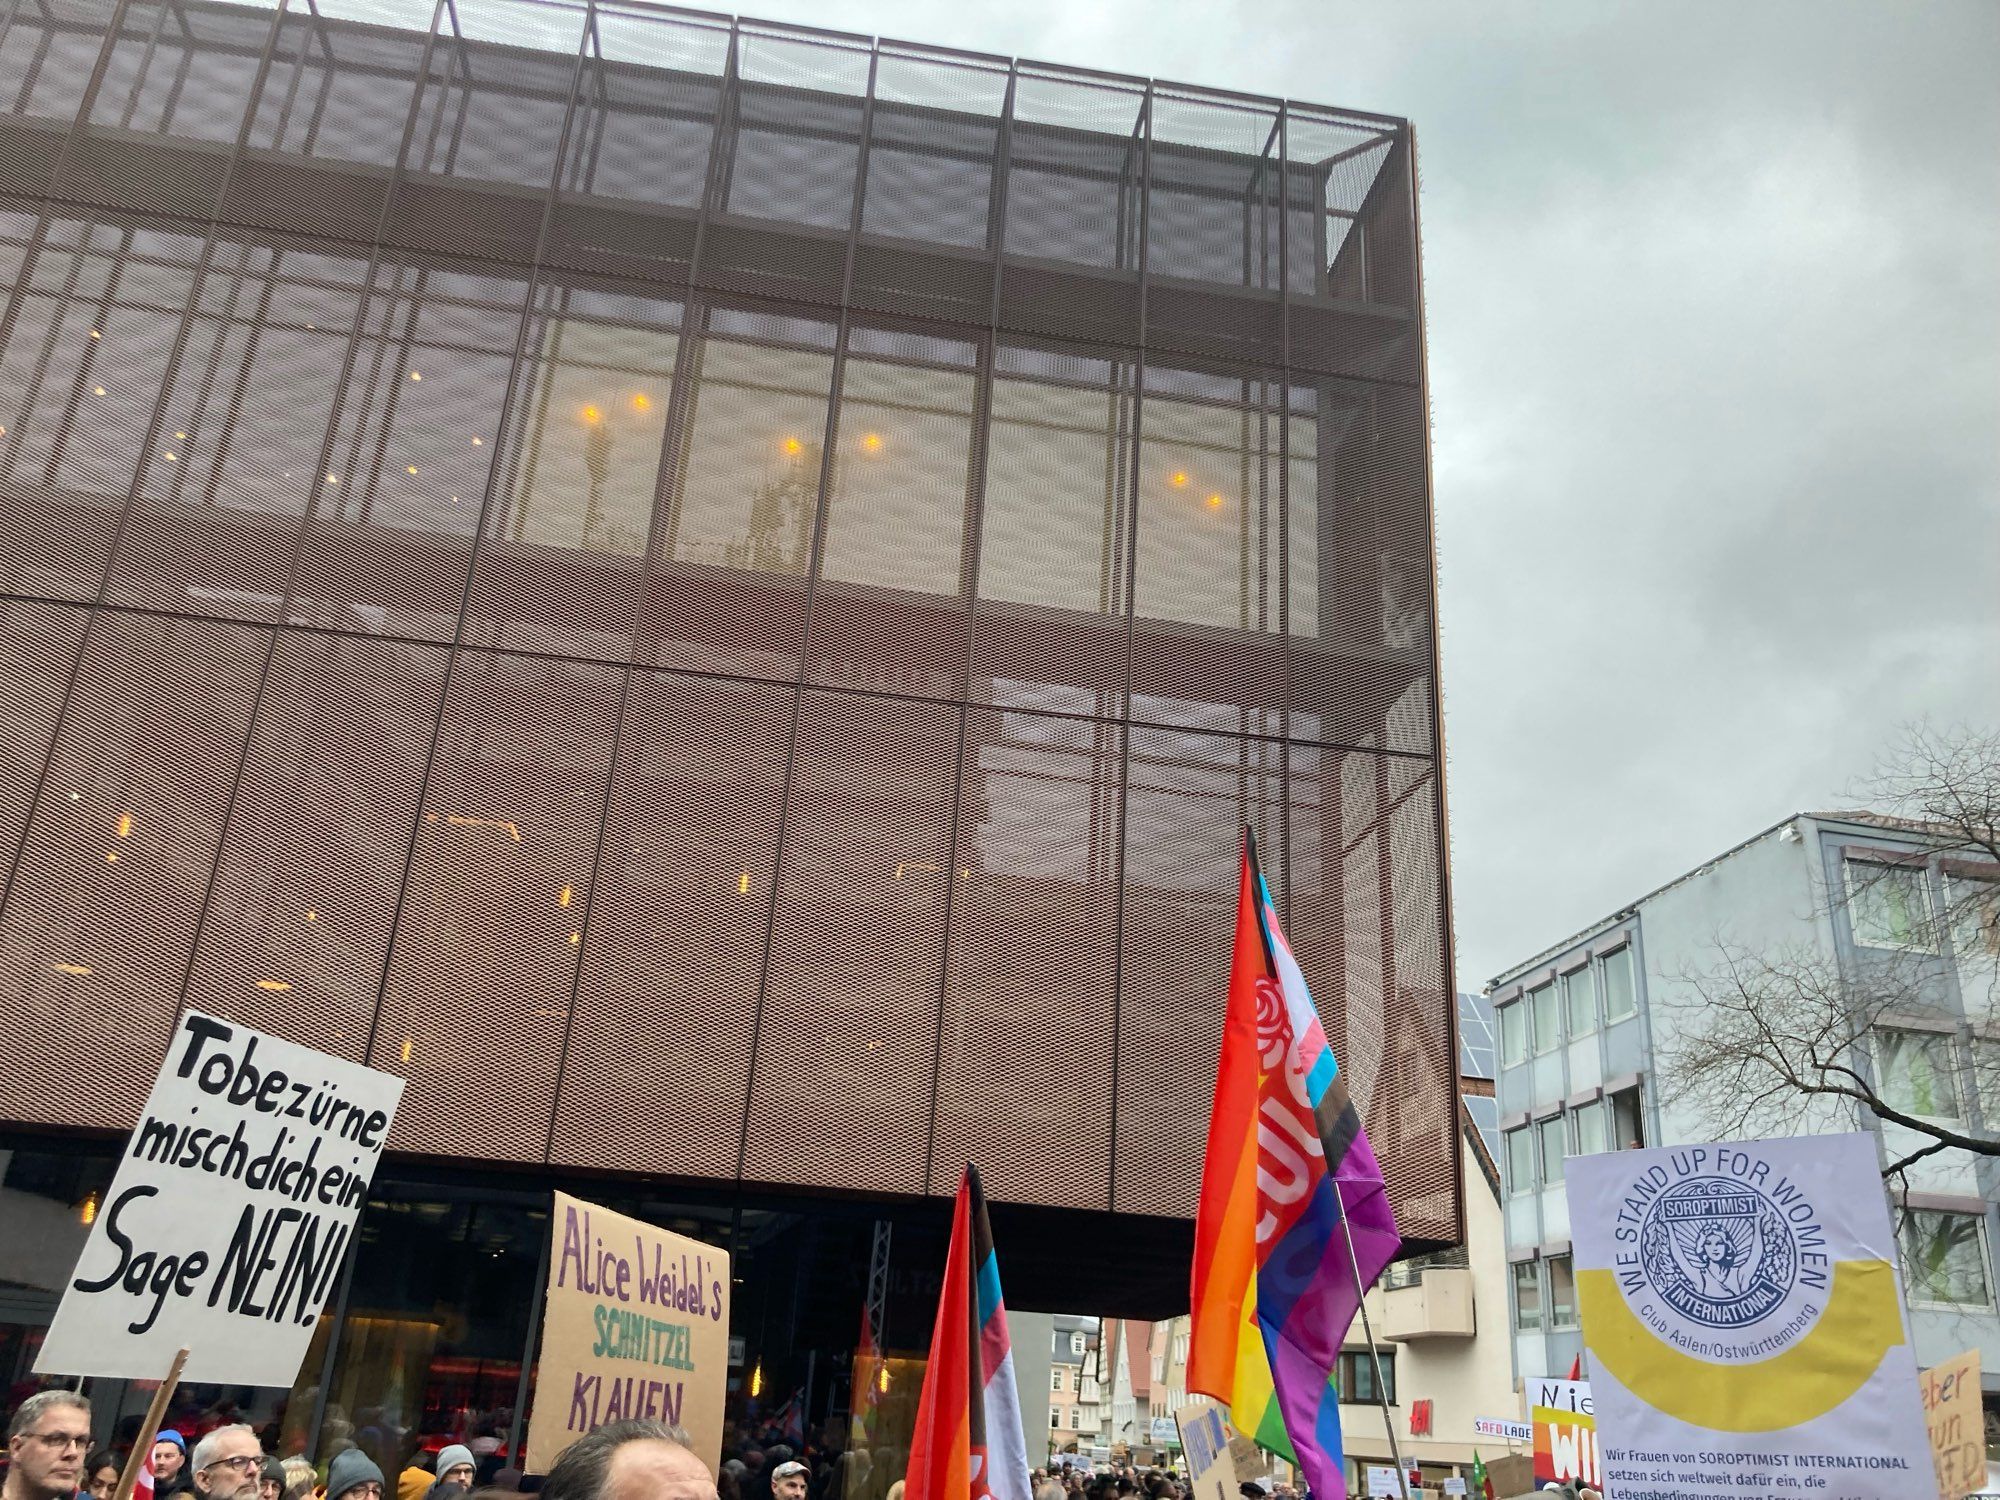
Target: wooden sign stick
(128, 1477)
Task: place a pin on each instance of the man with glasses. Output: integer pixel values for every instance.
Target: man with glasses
(46, 1444)
(227, 1464)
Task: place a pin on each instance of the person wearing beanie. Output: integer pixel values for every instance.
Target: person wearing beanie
(454, 1473)
(353, 1475)
(170, 1471)
(416, 1479)
(271, 1479)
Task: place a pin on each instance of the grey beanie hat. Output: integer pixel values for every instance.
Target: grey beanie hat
(450, 1457)
(350, 1467)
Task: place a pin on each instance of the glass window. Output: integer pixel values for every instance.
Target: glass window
(1562, 1292)
(1548, 1028)
(1358, 1376)
(1918, 1073)
(1944, 1256)
(1520, 1160)
(1628, 1121)
(1076, 1418)
(1620, 1000)
(1056, 1378)
(1513, 1033)
(1055, 1417)
(750, 485)
(1974, 906)
(901, 456)
(1580, 1001)
(1555, 1146)
(1527, 1297)
(1076, 1344)
(1986, 1079)
(1593, 1128)
(1888, 906)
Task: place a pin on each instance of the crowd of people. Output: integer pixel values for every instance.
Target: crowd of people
(51, 1456)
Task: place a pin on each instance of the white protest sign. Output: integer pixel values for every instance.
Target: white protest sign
(1383, 1481)
(1205, 1441)
(228, 1216)
(1741, 1308)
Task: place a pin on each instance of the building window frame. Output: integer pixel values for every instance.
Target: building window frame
(1545, 1031)
(1357, 1377)
(1552, 1162)
(1520, 1138)
(1868, 884)
(1620, 961)
(1897, 1051)
(1910, 1241)
(1524, 1282)
(1561, 1277)
(1513, 1021)
(1580, 982)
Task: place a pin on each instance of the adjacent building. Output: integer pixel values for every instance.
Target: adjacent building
(716, 596)
(1876, 903)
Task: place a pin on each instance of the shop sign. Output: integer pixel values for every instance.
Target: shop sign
(1502, 1427)
(229, 1215)
(635, 1324)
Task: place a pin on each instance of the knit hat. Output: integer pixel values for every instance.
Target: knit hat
(168, 1435)
(274, 1470)
(451, 1456)
(350, 1467)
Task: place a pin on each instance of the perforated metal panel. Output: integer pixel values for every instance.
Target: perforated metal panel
(726, 589)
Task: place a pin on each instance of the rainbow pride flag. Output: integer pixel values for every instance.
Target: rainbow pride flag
(968, 1443)
(1273, 1294)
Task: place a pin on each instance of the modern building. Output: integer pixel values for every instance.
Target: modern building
(716, 596)
(1583, 1025)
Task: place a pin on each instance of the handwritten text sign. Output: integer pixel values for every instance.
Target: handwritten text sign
(229, 1212)
(1957, 1423)
(636, 1325)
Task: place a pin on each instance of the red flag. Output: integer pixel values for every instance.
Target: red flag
(142, 1487)
(1576, 1367)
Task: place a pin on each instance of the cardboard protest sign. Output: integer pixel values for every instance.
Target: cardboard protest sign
(1741, 1307)
(1565, 1433)
(1956, 1417)
(229, 1213)
(1205, 1441)
(636, 1325)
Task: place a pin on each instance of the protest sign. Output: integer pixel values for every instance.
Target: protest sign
(1954, 1412)
(229, 1213)
(636, 1324)
(1741, 1309)
(1205, 1441)
(1382, 1480)
(1565, 1430)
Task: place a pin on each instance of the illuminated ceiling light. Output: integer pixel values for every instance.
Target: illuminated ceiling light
(565, 898)
(415, 376)
(311, 915)
(95, 334)
(80, 971)
(872, 442)
(278, 985)
(1215, 502)
(125, 825)
(76, 796)
(575, 938)
(87, 1210)
(1178, 478)
(333, 479)
(592, 416)
(100, 390)
(743, 884)
(408, 1043)
(882, 1380)
(479, 442)
(794, 447)
(410, 469)
(757, 1380)
(182, 436)
(454, 499)
(111, 858)
(642, 402)
(170, 457)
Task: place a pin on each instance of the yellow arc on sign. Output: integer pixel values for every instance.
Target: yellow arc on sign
(1859, 1325)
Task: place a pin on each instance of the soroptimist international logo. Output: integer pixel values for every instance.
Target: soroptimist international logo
(1718, 1252)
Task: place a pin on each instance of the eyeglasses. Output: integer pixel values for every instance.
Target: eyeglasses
(62, 1439)
(243, 1463)
(368, 1489)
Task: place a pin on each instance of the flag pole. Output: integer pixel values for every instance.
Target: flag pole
(1374, 1356)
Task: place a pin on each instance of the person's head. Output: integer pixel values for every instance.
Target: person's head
(170, 1451)
(271, 1480)
(637, 1460)
(353, 1475)
(455, 1465)
(100, 1474)
(47, 1442)
(228, 1464)
(300, 1480)
(788, 1480)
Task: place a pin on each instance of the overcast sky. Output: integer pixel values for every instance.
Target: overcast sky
(1715, 360)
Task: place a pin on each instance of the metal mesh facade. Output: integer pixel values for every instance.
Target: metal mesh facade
(714, 594)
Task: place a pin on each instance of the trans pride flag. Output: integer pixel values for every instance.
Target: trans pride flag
(968, 1443)
(1273, 1293)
